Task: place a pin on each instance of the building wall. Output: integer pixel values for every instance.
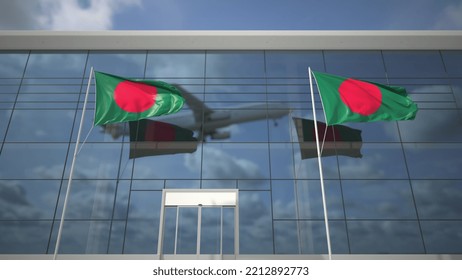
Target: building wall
(401, 197)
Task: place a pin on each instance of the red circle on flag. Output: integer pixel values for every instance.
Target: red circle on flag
(134, 97)
(361, 97)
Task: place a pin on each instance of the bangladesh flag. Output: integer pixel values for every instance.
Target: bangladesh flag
(152, 138)
(351, 100)
(338, 139)
(119, 99)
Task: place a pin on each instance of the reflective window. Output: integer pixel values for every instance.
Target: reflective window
(283, 195)
(286, 237)
(310, 199)
(241, 64)
(379, 161)
(24, 237)
(385, 237)
(143, 222)
(56, 65)
(125, 64)
(171, 64)
(355, 64)
(28, 199)
(255, 227)
(444, 164)
(442, 237)
(453, 62)
(438, 199)
(32, 161)
(313, 237)
(12, 64)
(378, 199)
(292, 64)
(419, 64)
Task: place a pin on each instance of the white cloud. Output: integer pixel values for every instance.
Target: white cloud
(62, 14)
(450, 17)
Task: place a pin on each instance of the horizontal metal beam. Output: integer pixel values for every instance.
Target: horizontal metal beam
(230, 40)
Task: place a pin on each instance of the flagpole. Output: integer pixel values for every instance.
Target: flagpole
(69, 182)
(324, 204)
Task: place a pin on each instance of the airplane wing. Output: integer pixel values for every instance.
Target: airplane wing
(200, 110)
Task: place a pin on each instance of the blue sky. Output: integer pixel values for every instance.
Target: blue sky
(231, 15)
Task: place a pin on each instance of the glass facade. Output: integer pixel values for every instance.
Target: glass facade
(401, 196)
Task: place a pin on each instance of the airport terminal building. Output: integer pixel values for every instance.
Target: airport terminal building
(232, 175)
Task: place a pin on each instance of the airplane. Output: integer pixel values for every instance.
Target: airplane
(213, 120)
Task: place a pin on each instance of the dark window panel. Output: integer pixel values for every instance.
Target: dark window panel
(453, 62)
(355, 64)
(210, 242)
(310, 199)
(438, 199)
(442, 237)
(255, 223)
(286, 237)
(418, 64)
(292, 64)
(235, 64)
(24, 237)
(378, 199)
(143, 222)
(379, 161)
(81, 237)
(32, 161)
(433, 160)
(88, 199)
(313, 237)
(385, 237)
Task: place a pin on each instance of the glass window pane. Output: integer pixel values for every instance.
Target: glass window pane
(378, 199)
(434, 161)
(234, 161)
(4, 120)
(379, 161)
(187, 230)
(385, 237)
(56, 65)
(313, 237)
(116, 241)
(407, 64)
(238, 64)
(170, 64)
(82, 237)
(24, 237)
(255, 223)
(292, 64)
(143, 222)
(453, 62)
(12, 64)
(283, 194)
(211, 230)
(228, 230)
(40, 125)
(32, 161)
(286, 237)
(88, 199)
(95, 161)
(438, 199)
(355, 64)
(125, 64)
(433, 126)
(442, 237)
(169, 234)
(28, 199)
(310, 199)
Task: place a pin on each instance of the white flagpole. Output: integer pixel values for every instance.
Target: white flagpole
(324, 204)
(69, 182)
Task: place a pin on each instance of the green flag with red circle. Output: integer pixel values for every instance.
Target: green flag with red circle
(119, 99)
(352, 100)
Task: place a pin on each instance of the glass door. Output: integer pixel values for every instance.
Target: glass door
(198, 224)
